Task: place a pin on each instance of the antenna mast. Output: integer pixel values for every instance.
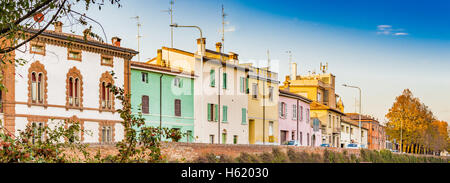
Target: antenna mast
(138, 36)
(172, 2)
(223, 29)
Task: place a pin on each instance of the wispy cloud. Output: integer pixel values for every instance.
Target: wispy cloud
(388, 30)
(401, 34)
(230, 29)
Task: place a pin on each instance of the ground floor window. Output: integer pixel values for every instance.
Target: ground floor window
(106, 134)
(235, 139)
(188, 136)
(211, 139)
(224, 138)
(39, 131)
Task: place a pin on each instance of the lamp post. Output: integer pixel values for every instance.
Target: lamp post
(201, 59)
(345, 85)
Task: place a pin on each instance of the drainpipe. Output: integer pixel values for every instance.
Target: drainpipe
(160, 106)
(298, 138)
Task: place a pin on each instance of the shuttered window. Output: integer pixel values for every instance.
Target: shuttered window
(246, 86)
(224, 80)
(145, 104)
(216, 112)
(244, 116)
(177, 107)
(209, 112)
(225, 113)
(212, 78)
(242, 85)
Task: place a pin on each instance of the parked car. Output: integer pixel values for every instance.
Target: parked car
(393, 150)
(292, 143)
(325, 145)
(352, 146)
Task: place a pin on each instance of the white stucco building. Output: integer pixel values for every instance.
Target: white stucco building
(65, 77)
(208, 68)
(350, 133)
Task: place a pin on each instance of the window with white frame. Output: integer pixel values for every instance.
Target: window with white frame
(106, 134)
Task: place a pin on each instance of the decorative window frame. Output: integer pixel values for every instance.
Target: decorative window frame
(37, 67)
(106, 124)
(34, 43)
(81, 122)
(108, 57)
(107, 78)
(38, 119)
(74, 50)
(74, 73)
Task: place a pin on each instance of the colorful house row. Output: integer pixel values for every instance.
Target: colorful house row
(206, 94)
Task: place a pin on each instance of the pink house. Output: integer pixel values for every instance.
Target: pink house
(295, 122)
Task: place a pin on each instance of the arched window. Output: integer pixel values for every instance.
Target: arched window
(74, 88)
(37, 84)
(106, 97)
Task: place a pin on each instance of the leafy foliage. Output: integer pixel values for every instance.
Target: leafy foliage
(43, 144)
(413, 122)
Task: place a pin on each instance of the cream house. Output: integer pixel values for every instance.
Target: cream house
(216, 72)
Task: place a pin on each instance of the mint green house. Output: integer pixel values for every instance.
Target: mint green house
(177, 97)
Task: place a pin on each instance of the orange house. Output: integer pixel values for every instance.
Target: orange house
(376, 139)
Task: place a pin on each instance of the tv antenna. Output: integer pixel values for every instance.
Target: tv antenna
(170, 11)
(138, 35)
(290, 62)
(323, 68)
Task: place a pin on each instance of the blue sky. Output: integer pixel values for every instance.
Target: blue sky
(383, 46)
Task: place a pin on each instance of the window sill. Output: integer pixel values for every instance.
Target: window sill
(108, 65)
(37, 105)
(74, 107)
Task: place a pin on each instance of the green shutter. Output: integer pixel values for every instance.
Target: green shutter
(246, 86)
(209, 112)
(212, 78)
(224, 80)
(244, 116)
(242, 85)
(225, 113)
(216, 111)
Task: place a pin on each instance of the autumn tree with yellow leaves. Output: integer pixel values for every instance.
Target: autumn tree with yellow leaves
(414, 123)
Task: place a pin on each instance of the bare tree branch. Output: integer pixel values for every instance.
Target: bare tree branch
(29, 14)
(7, 50)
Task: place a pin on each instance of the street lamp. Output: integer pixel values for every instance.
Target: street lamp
(175, 25)
(188, 26)
(360, 138)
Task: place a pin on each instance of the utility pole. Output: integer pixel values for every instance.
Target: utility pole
(264, 98)
(138, 35)
(172, 2)
(221, 67)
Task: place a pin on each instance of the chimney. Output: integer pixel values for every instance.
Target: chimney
(159, 57)
(219, 47)
(116, 41)
(233, 56)
(87, 34)
(293, 71)
(201, 46)
(58, 26)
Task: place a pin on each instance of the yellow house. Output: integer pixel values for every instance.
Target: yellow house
(263, 95)
(320, 88)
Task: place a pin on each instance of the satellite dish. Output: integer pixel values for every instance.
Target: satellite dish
(39, 17)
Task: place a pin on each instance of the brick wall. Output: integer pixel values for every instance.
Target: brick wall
(190, 151)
